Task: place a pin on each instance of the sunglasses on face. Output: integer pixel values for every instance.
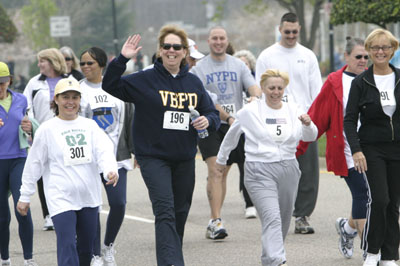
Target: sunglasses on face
(68, 58)
(89, 63)
(175, 46)
(377, 48)
(358, 57)
(287, 32)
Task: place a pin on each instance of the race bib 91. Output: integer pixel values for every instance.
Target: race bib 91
(176, 120)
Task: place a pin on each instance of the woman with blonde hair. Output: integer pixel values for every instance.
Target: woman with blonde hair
(375, 146)
(40, 92)
(273, 129)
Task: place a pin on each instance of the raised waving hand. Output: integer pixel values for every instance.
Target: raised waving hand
(130, 48)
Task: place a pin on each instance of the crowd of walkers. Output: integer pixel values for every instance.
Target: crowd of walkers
(81, 124)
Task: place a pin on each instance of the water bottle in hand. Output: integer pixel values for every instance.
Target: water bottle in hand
(194, 114)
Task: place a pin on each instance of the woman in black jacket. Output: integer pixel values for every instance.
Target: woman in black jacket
(374, 98)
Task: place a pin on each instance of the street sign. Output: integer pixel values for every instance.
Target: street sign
(60, 26)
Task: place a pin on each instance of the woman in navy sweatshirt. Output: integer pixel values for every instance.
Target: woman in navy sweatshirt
(164, 137)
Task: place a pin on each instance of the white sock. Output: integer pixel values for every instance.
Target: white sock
(348, 229)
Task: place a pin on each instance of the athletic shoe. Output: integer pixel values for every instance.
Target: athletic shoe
(108, 255)
(250, 212)
(216, 230)
(345, 240)
(96, 261)
(48, 224)
(302, 226)
(388, 263)
(30, 262)
(372, 259)
(6, 262)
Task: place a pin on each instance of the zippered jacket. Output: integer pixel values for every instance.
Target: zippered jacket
(364, 100)
(9, 147)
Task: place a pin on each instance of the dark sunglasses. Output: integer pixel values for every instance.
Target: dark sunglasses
(68, 58)
(89, 63)
(175, 46)
(358, 57)
(290, 31)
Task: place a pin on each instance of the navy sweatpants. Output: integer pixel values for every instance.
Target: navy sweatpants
(75, 231)
(10, 179)
(117, 201)
(170, 185)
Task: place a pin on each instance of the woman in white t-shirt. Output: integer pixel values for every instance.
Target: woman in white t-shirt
(273, 129)
(69, 151)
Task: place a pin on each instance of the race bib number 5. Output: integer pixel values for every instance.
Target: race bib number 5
(77, 151)
(176, 120)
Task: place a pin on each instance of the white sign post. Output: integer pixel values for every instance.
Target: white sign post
(60, 26)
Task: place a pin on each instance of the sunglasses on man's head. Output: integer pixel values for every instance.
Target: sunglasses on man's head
(175, 46)
(290, 31)
(89, 63)
(358, 57)
(68, 58)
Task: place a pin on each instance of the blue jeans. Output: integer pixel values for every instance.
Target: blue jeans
(10, 179)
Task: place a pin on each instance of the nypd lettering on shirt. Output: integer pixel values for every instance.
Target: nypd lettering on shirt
(222, 79)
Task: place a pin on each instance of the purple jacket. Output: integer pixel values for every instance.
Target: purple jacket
(9, 140)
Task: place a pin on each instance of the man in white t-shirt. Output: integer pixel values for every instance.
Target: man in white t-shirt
(225, 76)
(305, 83)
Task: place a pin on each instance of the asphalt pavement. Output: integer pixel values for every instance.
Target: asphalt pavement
(136, 247)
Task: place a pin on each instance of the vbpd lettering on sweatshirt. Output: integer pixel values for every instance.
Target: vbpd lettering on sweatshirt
(177, 99)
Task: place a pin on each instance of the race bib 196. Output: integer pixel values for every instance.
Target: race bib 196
(176, 120)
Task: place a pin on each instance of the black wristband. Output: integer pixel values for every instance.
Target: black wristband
(227, 120)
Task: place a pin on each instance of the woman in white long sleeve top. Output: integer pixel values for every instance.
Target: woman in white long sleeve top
(68, 151)
(273, 129)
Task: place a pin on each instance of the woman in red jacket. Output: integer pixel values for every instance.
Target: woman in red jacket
(327, 113)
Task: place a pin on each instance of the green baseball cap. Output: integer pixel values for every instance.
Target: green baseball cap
(4, 73)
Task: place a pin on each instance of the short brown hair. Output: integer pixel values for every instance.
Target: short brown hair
(381, 32)
(274, 73)
(56, 59)
(172, 29)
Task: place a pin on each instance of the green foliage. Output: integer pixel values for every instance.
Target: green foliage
(13, 3)
(257, 7)
(322, 146)
(94, 26)
(8, 31)
(379, 12)
(36, 26)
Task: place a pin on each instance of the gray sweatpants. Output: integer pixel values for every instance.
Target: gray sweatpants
(272, 188)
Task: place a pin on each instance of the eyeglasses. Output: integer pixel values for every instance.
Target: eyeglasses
(377, 48)
(175, 46)
(287, 32)
(68, 58)
(89, 63)
(358, 57)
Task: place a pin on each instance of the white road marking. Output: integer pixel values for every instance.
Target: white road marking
(140, 219)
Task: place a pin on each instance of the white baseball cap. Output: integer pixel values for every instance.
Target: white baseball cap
(193, 50)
